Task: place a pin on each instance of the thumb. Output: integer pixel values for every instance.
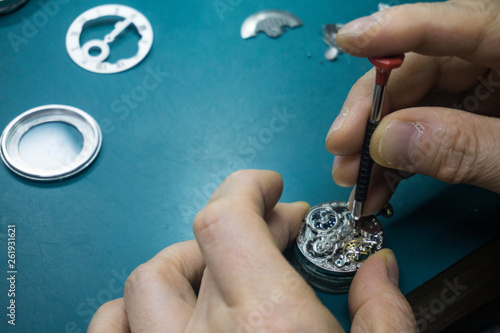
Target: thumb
(375, 301)
(450, 145)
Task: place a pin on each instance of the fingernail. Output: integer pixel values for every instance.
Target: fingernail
(306, 206)
(400, 143)
(358, 26)
(337, 124)
(336, 163)
(392, 267)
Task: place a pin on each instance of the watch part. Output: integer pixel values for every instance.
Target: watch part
(331, 246)
(382, 6)
(272, 22)
(329, 37)
(82, 55)
(14, 132)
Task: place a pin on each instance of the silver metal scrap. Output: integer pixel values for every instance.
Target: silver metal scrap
(330, 36)
(272, 22)
(382, 6)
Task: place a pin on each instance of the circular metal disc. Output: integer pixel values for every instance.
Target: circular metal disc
(13, 133)
(80, 53)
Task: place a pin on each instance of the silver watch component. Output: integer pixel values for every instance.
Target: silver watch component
(332, 246)
(357, 209)
(14, 132)
(8, 6)
(272, 22)
(329, 37)
(382, 6)
(81, 54)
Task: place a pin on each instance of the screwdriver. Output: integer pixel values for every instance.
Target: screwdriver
(383, 66)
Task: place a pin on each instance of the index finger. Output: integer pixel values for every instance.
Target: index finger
(235, 239)
(409, 85)
(466, 28)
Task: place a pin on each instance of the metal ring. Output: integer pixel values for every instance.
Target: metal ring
(13, 133)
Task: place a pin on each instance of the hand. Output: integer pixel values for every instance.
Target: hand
(233, 277)
(454, 64)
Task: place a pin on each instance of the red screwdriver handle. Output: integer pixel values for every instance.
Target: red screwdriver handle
(384, 66)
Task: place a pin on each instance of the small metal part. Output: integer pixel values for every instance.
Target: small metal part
(13, 133)
(329, 37)
(272, 22)
(378, 100)
(387, 211)
(8, 6)
(357, 209)
(81, 54)
(382, 6)
(330, 248)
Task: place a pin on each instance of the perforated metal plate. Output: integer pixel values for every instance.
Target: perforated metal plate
(331, 246)
(272, 22)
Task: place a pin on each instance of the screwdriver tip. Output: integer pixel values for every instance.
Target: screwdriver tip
(357, 209)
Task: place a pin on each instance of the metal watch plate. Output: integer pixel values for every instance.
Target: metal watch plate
(331, 246)
(81, 54)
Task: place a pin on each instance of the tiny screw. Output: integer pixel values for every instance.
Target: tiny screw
(387, 211)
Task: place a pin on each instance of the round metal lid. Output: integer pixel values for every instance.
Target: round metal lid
(13, 133)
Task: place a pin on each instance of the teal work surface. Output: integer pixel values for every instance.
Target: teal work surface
(215, 103)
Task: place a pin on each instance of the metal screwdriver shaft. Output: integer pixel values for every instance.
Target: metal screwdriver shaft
(384, 66)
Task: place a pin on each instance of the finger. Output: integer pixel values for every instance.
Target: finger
(383, 184)
(407, 86)
(345, 169)
(160, 295)
(375, 302)
(111, 317)
(450, 145)
(284, 222)
(236, 242)
(268, 184)
(383, 181)
(436, 29)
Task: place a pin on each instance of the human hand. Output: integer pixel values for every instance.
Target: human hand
(454, 64)
(233, 277)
